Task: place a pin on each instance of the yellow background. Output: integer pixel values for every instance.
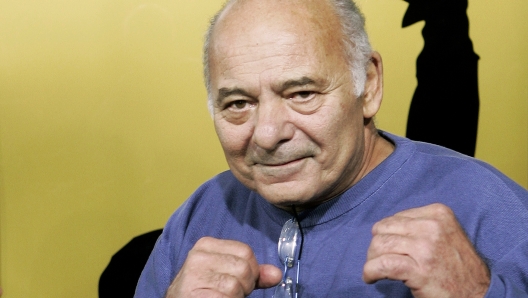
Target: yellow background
(104, 129)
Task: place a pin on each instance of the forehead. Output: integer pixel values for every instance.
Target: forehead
(248, 18)
(250, 33)
(263, 8)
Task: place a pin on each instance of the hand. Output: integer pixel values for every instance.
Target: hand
(221, 268)
(427, 249)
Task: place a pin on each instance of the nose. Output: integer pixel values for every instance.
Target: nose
(273, 125)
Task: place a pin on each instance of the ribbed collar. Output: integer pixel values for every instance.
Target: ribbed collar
(355, 195)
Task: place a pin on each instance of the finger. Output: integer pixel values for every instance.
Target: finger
(225, 287)
(222, 246)
(202, 293)
(395, 224)
(215, 269)
(217, 266)
(389, 266)
(229, 248)
(432, 210)
(231, 286)
(392, 244)
(269, 276)
(423, 220)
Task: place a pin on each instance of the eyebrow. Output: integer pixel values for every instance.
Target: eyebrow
(226, 92)
(296, 83)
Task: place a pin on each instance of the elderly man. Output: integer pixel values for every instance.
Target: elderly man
(355, 212)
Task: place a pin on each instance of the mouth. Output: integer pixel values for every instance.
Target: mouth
(281, 163)
(278, 171)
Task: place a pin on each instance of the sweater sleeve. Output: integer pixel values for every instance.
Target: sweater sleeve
(509, 275)
(157, 274)
(165, 259)
(500, 287)
(182, 230)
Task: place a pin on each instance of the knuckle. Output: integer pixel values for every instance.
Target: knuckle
(387, 266)
(195, 259)
(245, 251)
(391, 265)
(433, 226)
(203, 242)
(441, 210)
(241, 271)
(244, 274)
(426, 251)
(245, 271)
(229, 285)
(376, 228)
(401, 268)
(390, 240)
(382, 243)
(381, 226)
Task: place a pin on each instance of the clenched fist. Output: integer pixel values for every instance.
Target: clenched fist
(428, 250)
(221, 268)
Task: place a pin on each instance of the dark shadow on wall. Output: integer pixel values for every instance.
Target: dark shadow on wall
(445, 105)
(120, 277)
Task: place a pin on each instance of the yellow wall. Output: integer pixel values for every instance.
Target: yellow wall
(104, 129)
(499, 31)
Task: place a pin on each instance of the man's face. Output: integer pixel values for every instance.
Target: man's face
(284, 108)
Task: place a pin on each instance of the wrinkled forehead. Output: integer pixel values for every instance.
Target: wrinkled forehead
(259, 22)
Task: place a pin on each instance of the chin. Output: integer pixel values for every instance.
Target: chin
(285, 197)
(281, 194)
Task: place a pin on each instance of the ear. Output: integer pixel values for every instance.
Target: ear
(373, 93)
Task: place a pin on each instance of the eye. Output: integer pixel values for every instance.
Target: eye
(302, 96)
(238, 105)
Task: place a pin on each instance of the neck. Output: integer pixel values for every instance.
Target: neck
(377, 149)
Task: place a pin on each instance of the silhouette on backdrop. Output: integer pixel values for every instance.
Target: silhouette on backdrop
(445, 105)
(120, 277)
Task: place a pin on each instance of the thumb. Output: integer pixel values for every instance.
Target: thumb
(269, 276)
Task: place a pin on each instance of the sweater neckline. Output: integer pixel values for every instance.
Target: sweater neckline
(352, 197)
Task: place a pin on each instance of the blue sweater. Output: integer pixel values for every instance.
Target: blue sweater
(491, 208)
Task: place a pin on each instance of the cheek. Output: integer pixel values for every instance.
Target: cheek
(338, 134)
(332, 123)
(350, 117)
(233, 138)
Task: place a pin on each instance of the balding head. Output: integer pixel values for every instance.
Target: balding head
(284, 98)
(324, 16)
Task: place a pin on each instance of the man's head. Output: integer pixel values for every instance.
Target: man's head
(355, 40)
(292, 96)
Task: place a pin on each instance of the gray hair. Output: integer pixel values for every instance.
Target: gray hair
(355, 39)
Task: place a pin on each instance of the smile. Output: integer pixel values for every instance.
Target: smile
(281, 163)
(282, 171)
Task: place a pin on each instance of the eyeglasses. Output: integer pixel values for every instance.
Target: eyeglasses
(290, 248)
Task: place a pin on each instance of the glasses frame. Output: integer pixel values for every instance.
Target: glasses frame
(290, 250)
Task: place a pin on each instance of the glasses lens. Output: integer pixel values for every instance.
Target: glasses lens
(288, 242)
(284, 289)
(288, 248)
